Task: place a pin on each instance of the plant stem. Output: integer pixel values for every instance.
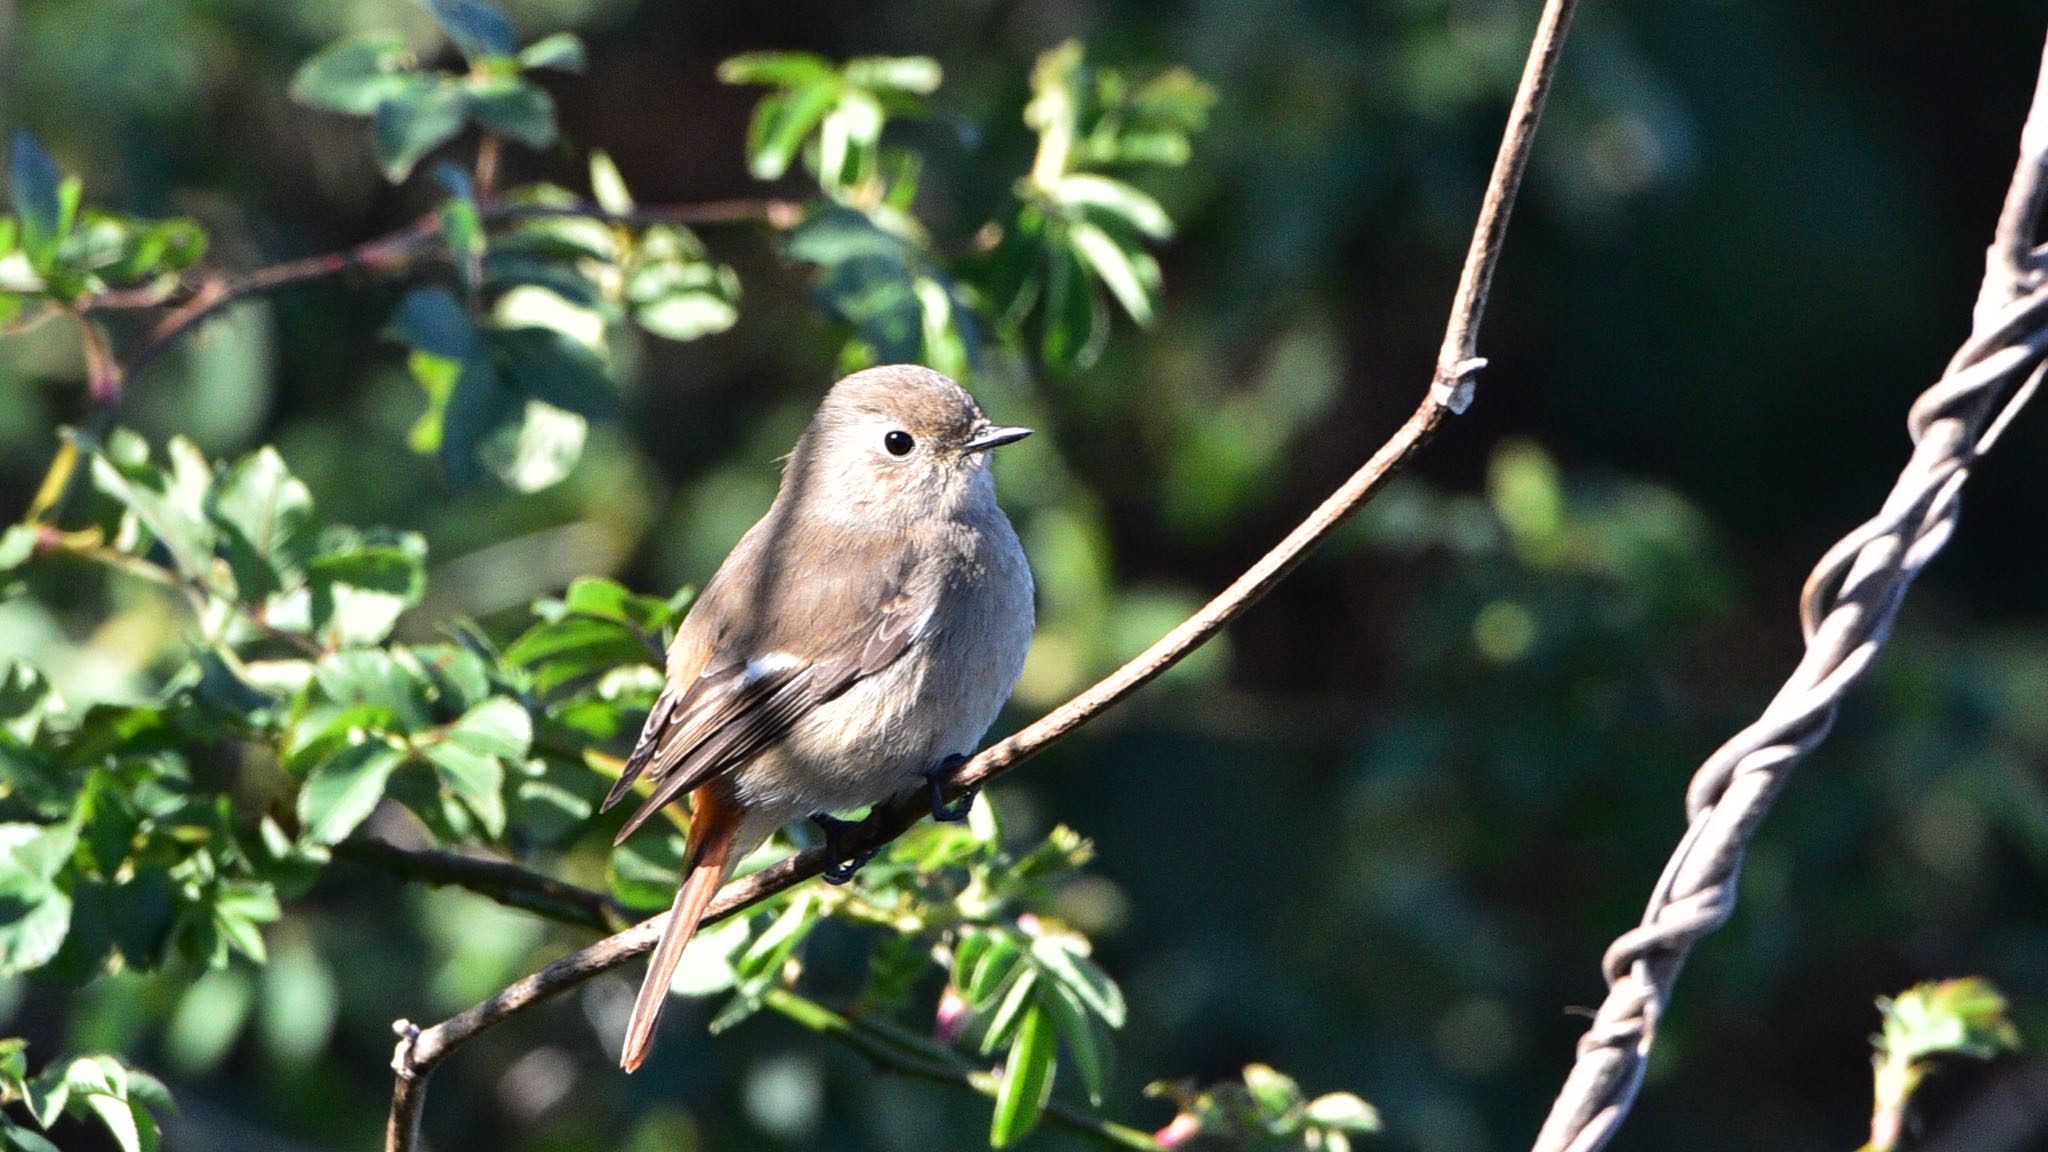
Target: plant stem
(893, 1052)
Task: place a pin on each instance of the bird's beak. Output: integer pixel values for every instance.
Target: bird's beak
(995, 436)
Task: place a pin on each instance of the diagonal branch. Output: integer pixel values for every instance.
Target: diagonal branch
(420, 1050)
(1846, 612)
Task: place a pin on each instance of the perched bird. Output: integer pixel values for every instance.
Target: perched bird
(859, 640)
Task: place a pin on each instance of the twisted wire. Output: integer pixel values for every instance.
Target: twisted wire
(1845, 612)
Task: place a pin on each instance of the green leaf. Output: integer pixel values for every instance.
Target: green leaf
(48, 1095)
(423, 115)
(1080, 974)
(496, 727)
(761, 965)
(480, 404)
(1085, 1036)
(561, 52)
(1275, 1092)
(374, 678)
(35, 912)
(38, 200)
(171, 502)
(554, 368)
(355, 75)
(1965, 1016)
(476, 778)
(1175, 97)
(994, 966)
(25, 700)
(779, 69)
(576, 647)
(1007, 1014)
(462, 229)
(1131, 275)
(675, 291)
(1076, 324)
(23, 1140)
(266, 522)
(643, 872)
(341, 793)
(432, 320)
(477, 28)
(918, 75)
(607, 186)
(1027, 1080)
(357, 595)
(1117, 199)
(867, 279)
(240, 908)
(1344, 1112)
(782, 123)
(127, 1121)
(514, 107)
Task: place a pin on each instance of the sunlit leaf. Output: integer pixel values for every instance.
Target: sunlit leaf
(1027, 1080)
(919, 75)
(782, 69)
(1130, 274)
(355, 75)
(341, 793)
(561, 52)
(1079, 973)
(780, 125)
(1116, 199)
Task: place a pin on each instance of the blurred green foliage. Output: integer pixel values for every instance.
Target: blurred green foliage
(1378, 840)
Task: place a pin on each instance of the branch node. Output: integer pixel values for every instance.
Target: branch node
(401, 1056)
(1454, 386)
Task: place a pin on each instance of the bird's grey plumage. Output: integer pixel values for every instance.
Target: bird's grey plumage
(871, 624)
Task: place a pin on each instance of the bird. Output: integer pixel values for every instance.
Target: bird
(855, 645)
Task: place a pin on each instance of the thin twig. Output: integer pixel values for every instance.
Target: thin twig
(217, 292)
(52, 542)
(907, 1057)
(397, 249)
(1846, 612)
(500, 880)
(420, 1050)
(888, 1049)
(781, 214)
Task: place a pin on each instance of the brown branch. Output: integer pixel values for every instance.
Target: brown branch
(395, 250)
(774, 213)
(420, 1050)
(217, 291)
(500, 880)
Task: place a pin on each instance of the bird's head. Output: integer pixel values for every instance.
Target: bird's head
(892, 444)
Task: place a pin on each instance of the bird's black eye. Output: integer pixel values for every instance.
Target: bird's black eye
(898, 443)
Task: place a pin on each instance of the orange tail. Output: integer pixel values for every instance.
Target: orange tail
(713, 827)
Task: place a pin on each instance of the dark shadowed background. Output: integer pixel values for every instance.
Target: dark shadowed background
(1379, 835)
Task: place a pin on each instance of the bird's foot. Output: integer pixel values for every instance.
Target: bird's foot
(839, 866)
(935, 787)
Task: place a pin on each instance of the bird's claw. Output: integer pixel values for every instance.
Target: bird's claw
(935, 789)
(839, 866)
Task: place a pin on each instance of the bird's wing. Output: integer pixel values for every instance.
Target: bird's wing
(728, 698)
